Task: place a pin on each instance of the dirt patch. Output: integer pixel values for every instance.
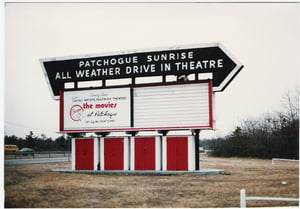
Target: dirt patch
(37, 186)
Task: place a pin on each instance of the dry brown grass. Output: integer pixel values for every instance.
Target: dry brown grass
(37, 186)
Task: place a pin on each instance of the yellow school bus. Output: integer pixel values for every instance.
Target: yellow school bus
(10, 148)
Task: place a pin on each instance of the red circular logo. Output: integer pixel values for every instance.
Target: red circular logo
(76, 112)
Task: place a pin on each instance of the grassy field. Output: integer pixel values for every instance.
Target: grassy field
(37, 186)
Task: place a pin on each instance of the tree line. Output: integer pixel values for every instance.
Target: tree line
(274, 135)
(40, 143)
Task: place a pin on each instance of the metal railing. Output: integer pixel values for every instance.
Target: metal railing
(280, 159)
(48, 154)
(244, 199)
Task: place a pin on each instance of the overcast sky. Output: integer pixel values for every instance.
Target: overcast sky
(262, 37)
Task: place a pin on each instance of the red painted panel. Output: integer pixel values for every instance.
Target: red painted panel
(210, 99)
(171, 154)
(113, 153)
(145, 153)
(177, 153)
(84, 154)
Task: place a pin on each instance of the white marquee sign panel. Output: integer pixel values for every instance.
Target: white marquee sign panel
(94, 109)
(176, 106)
(172, 106)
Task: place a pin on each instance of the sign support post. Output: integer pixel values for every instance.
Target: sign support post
(196, 134)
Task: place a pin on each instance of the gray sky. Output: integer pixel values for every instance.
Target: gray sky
(262, 37)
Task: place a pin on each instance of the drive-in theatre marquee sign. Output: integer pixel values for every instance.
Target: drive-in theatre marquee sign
(165, 105)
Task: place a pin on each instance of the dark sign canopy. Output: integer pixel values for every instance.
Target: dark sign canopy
(173, 61)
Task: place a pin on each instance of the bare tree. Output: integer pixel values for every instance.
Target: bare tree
(290, 102)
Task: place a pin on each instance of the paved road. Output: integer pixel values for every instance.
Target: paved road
(35, 160)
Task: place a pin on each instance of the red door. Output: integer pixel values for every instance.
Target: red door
(177, 153)
(145, 153)
(84, 151)
(113, 153)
